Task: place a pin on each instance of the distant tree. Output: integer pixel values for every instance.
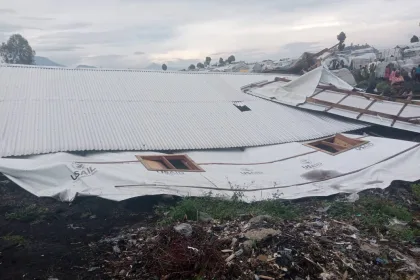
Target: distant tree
(231, 59)
(17, 51)
(414, 39)
(208, 60)
(341, 38)
(164, 67)
(221, 61)
(191, 67)
(200, 65)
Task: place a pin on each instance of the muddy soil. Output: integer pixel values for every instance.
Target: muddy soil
(43, 238)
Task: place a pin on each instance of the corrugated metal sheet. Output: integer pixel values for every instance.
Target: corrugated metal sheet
(44, 110)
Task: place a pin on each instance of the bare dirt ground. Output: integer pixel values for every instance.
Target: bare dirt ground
(43, 238)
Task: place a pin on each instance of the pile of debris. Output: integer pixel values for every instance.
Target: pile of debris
(261, 247)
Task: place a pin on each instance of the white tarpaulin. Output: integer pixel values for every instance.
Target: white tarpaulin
(295, 92)
(281, 171)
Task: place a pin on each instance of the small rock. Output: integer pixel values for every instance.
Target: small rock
(284, 257)
(262, 258)
(317, 224)
(261, 234)
(239, 252)
(248, 245)
(204, 217)
(93, 268)
(397, 224)
(415, 251)
(116, 249)
(350, 228)
(260, 218)
(353, 197)
(122, 272)
(349, 247)
(218, 228)
(234, 241)
(370, 248)
(184, 229)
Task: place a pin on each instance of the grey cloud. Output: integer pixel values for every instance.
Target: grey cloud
(69, 26)
(219, 53)
(157, 33)
(57, 48)
(300, 46)
(7, 11)
(37, 18)
(107, 56)
(112, 37)
(139, 53)
(111, 61)
(5, 27)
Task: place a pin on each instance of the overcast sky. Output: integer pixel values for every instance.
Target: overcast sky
(135, 33)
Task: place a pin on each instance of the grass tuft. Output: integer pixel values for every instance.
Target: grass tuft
(17, 239)
(28, 214)
(225, 209)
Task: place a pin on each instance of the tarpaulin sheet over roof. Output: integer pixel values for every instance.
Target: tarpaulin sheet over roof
(286, 171)
(320, 90)
(46, 110)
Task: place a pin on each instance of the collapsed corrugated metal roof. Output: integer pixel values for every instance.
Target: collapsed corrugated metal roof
(338, 99)
(45, 110)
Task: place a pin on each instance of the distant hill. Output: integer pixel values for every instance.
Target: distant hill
(44, 61)
(85, 66)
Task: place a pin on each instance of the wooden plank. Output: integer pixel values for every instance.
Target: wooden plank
(316, 93)
(339, 101)
(168, 164)
(365, 95)
(333, 145)
(348, 140)
(367, 107)
(364, 111)
(399, 113)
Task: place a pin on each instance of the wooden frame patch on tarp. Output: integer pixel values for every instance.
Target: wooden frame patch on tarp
(336, 144)
(180, 163)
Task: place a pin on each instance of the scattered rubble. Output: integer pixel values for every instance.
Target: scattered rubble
(261, 248)
(184, 229)
(316, 238)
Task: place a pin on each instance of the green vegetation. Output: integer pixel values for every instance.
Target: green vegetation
(29, 213)
(416, 191)
(375, 213)
(17, 51)
(16, 239)
(371, 213)
(224, 209)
